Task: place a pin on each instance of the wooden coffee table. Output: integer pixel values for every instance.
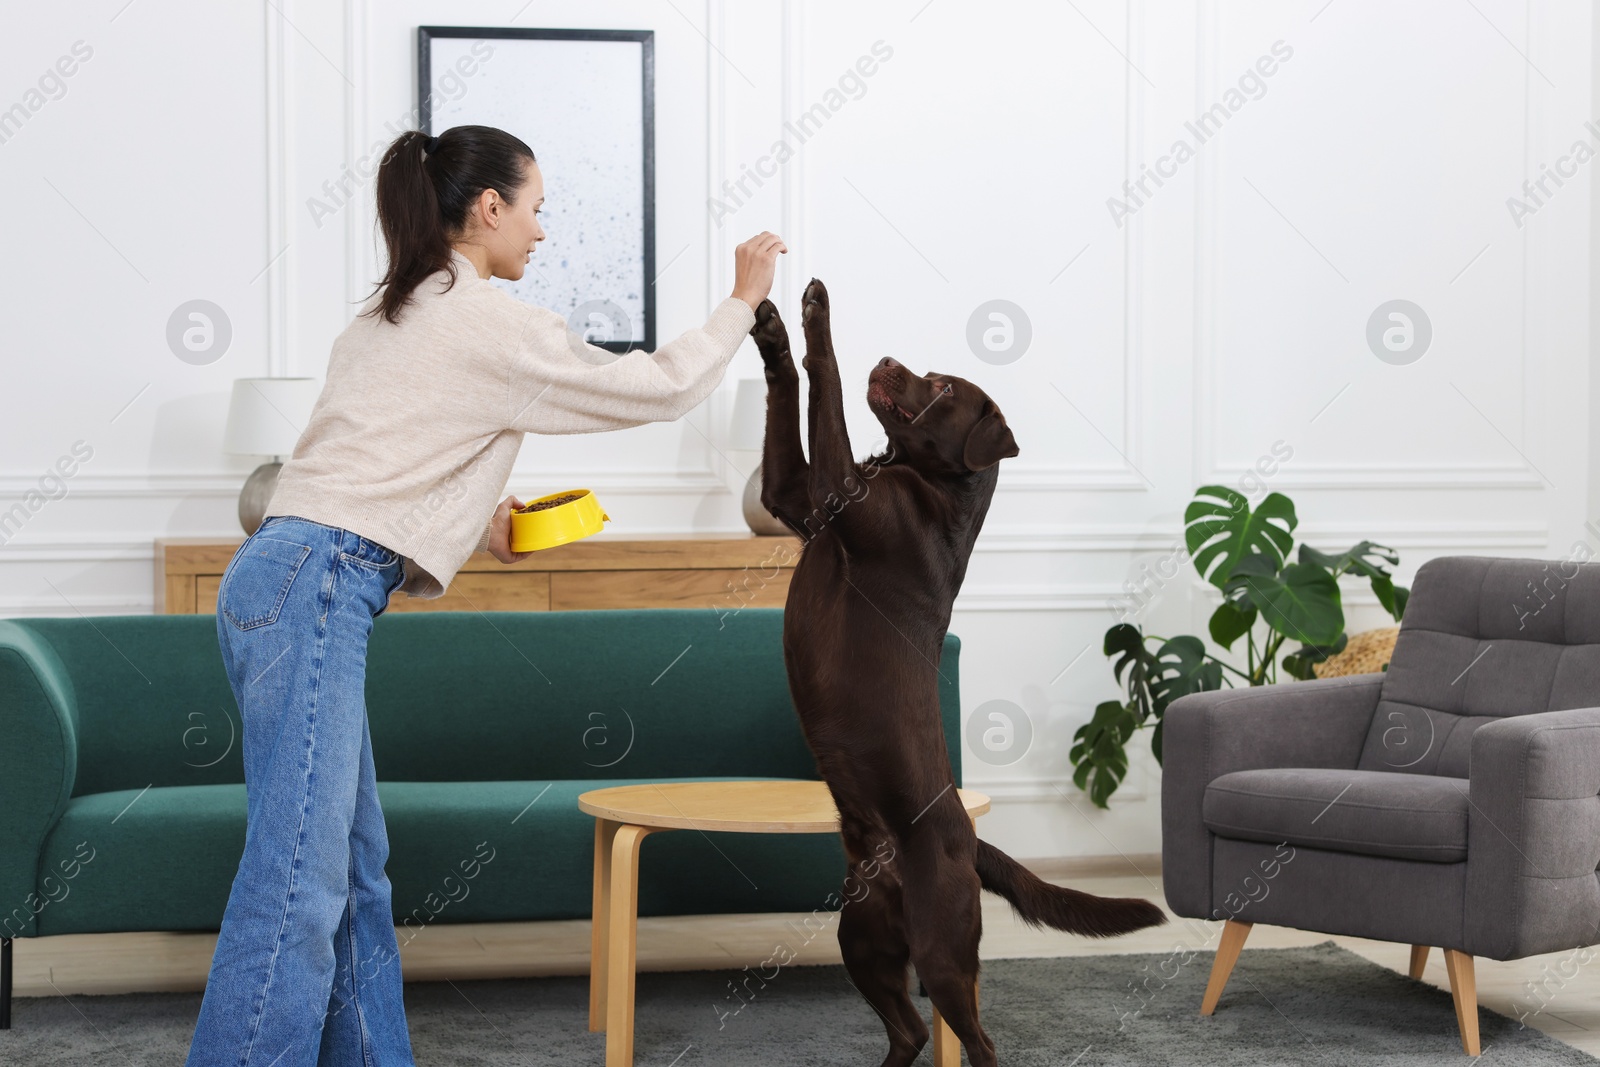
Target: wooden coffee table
(625, 814)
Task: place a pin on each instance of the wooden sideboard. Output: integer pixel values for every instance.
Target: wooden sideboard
(720, 570)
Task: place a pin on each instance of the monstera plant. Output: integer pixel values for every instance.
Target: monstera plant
(1271, 595)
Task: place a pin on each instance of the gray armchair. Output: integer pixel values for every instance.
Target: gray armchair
(1451, 801)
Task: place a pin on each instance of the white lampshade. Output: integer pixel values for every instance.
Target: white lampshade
(267, 415)
(749, 426)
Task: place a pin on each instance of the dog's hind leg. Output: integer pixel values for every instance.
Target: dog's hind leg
(872, 939)
(944, 925)
(785, 475)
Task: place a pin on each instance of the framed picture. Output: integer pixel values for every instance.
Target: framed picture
(584, 101)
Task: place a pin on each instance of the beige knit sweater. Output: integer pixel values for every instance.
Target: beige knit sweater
(412, 438)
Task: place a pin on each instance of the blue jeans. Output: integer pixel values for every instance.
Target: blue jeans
(307, 969)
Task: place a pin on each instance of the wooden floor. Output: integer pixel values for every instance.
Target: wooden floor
(119, 963)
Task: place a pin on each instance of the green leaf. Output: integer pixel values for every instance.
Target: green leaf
(1354, 560)
(1255, 565)
(1231, 621)
(1303, 605)
(1220, 530)
(1365, 560)
(1297, 668)
(1300, 662)
(1392, 597)
(1106, 780)
(1100, 757)
(1080, 776)
(1127, 641)
(1184, 668)
(1383, 589)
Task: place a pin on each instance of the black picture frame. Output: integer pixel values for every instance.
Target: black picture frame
(646, 41)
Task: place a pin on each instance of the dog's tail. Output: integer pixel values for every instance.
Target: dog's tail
(1041, 904)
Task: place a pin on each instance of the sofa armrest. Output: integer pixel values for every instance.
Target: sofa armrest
(1318, 723)
(950, 701)
(41, 763)
(1533, 835)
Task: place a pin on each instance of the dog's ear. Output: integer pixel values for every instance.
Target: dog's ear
(989, 442)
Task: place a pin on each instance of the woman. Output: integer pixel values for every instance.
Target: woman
(429, 391)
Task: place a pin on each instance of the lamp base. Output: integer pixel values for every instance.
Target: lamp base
(256, 495)
(757, 517)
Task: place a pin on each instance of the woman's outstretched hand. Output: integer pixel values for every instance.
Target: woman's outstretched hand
(500, 532)
(753, 266)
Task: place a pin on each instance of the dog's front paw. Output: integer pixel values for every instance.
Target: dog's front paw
(814, 303)
(768, 328)
(772, 339)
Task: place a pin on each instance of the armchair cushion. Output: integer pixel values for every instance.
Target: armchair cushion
(1374, 813)
(1319, 723)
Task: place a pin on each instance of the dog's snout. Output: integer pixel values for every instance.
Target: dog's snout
(888, 361)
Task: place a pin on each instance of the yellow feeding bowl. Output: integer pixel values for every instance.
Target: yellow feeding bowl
(543, 523)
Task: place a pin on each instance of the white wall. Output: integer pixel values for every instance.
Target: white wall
(1224, 317)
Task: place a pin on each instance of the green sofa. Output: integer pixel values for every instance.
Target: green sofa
(122, 804)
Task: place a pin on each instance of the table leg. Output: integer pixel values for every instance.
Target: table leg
(622, 943)
(600, 923)
(946, 1047)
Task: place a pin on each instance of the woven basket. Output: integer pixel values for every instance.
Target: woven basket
(1365, 653)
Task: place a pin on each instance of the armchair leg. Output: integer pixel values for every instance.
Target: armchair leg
(1464, 991)
(1233, 935)
(1419, 960)
(5, 983)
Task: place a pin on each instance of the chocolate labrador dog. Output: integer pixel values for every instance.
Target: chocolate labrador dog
(886, 544)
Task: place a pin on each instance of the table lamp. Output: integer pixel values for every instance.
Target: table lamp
(747, 434)
(265, 418)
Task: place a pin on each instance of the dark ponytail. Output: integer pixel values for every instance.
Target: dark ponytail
(424, 197)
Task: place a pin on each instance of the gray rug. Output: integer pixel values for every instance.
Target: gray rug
(1319, 1005)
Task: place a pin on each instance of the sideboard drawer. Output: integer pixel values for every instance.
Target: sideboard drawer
(469, 592)
(485, 591)
(724, 571)
(746, 587)
(205, 593)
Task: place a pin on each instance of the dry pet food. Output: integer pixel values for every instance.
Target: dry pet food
(540, 505)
